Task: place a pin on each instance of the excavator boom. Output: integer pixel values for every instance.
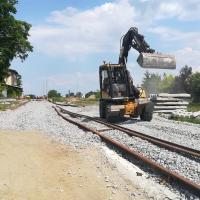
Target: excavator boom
(148, 58)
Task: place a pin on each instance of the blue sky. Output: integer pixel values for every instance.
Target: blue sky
(72, 38)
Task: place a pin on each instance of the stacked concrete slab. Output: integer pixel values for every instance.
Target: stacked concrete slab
(167, 103)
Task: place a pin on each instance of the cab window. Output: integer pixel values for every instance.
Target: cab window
(105, 84)
(118, 82)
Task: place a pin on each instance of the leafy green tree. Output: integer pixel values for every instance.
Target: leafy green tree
(195, 86)
(97, 94)
(2, 88)
(181, 82)
(167, 83)
(19, 81)
(32, 96)
(13, 37)
(151, 82)
(89, 94)
(53, 93)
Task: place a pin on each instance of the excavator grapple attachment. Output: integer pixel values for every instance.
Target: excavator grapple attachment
(156, 61)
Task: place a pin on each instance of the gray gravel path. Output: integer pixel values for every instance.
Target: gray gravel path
(42, 117)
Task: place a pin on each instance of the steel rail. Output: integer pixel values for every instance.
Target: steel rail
(131, 152)
(154, 140)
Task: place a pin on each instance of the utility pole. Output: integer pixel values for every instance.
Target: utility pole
(47, 88)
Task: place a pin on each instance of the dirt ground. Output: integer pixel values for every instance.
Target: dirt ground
(33, 167)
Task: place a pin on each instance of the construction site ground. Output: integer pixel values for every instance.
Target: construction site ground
(34, 167)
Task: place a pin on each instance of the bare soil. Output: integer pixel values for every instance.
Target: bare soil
(33, 167)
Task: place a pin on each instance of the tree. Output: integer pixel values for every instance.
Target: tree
(89, 94)
(167, 83)
(151, 82)
(181, 82)
(195, 86)
(79, 94)
(13, 37)
(32, 96)
(97, 94)
(53, 93)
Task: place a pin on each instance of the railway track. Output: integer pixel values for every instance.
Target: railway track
(129, 151)
(154, 140)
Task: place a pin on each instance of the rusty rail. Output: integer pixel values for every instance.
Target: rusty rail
(154, 140)
(170, 174)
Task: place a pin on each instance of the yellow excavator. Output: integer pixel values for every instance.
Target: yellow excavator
(118, 96)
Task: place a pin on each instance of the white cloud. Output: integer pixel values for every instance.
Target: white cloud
(76, 33)
(188, 56)
(177, 37)
(72, 32)
(162, 9)
(190, 11)
(168, 10)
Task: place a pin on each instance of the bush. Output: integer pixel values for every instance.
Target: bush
(195, 86)
(53, 93)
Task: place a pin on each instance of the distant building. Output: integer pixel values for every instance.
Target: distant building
(13, 78)
(13, 83)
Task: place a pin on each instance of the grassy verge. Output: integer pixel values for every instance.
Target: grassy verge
(59, 99)
(11, 106)
(85, 102)
(186, 119)
(76, 101)
(193, 107)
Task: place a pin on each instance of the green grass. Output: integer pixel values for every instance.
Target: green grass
(76, 101)
(193, 107)
(58, 99)
(186, 119)
(4, 107)
(85, 102)
(12, 106)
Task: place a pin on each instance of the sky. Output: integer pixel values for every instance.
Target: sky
(72, 38)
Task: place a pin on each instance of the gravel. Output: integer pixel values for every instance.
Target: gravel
(182, 133)
(177, 132)
(42, 117)
(185, 134)
(184, 113)
(183, 165)
(171, 160)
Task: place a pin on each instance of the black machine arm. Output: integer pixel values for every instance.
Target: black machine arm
(135, 40)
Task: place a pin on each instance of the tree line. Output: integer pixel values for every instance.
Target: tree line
(185, 82)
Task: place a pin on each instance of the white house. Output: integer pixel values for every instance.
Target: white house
(12, 81)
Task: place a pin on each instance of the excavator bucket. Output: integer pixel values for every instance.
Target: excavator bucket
(156, 61)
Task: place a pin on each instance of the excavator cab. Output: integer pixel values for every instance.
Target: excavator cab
(116, 97)
(113, 81)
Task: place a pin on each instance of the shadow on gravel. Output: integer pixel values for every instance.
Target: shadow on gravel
(129, 121)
